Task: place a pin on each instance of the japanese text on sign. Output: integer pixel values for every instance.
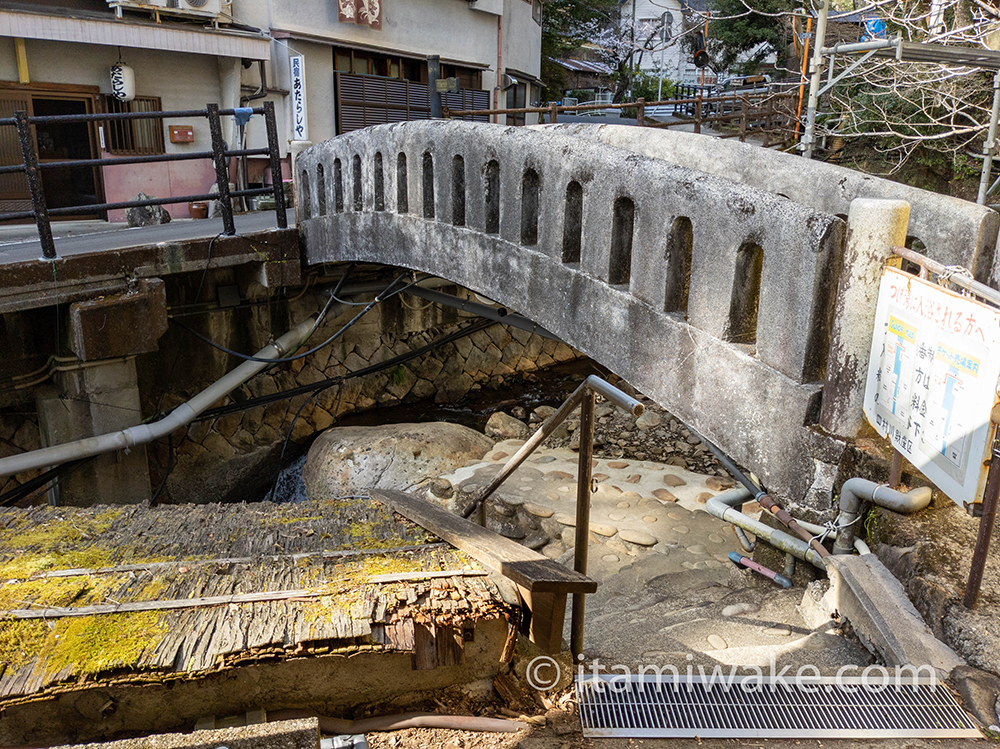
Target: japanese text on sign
(300, 121)
(932, 380)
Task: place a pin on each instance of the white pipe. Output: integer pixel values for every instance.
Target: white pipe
(861, 546)
(723, 507)
(855, 490)
(180, 416)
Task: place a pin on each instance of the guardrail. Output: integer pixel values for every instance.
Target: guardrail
(32, 167)
(763, 112)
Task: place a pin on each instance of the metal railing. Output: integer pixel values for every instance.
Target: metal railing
(220, 154)
(584, 398)
(760, 112)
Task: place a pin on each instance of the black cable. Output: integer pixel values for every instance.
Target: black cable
(12, 497)
(265, 400)
(284, 446)
(166, 473)
(197, 296)
(328, 341)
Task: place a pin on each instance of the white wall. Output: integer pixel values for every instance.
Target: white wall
(673, 56)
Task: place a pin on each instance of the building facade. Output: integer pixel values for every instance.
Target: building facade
(330, 66)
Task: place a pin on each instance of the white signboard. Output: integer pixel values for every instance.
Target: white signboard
(300, 121)
(932, 380)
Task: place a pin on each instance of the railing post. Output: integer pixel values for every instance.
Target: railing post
(697, 113)
(221, 169)
(743, 121)
(276, 182)
(640, 112)
(35, 189)
(553, 112)
(582, 516)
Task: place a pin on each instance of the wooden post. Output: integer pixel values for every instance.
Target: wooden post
(553, 112)
(743, 121)
(640, 112)
(697, 113)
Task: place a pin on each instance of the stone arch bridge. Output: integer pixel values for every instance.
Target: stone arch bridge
(733, 285)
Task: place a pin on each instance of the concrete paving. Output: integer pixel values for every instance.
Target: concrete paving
(19, 242)
(668, 594)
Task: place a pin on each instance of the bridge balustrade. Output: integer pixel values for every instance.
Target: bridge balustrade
(675, 239)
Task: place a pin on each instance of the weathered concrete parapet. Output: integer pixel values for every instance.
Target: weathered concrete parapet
(712, 297)
(874, 227)
(677, 239)
(954, 231)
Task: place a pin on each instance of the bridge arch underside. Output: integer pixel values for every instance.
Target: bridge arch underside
(712, 298)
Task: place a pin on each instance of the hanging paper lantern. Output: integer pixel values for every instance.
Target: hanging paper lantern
(122, 82)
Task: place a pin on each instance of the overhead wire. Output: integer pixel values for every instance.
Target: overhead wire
(383, 295)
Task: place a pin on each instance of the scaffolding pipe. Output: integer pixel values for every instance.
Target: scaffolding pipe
(990, 146)
(809, 136)
(179, 417)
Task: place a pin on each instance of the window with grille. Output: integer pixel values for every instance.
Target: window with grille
(133, 137)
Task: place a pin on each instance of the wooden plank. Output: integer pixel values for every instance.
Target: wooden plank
(426, 575)
(527, 568)
(81, 571)
(424, 648)
(188, 603)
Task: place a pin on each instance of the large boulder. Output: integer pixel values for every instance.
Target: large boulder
(346, 460)
(146, 215)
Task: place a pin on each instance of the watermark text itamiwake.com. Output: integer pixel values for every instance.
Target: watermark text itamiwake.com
(544, 673)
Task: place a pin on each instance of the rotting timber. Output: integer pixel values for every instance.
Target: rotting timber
(129, 620)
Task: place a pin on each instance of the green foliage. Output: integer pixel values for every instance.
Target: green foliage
(738, 32)
(566, 24)
(581, 95)
(645, 85)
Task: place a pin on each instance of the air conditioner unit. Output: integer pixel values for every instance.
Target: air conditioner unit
(201, 8)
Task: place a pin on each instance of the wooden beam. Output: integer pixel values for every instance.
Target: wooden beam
(528, 569)
(22, 60)
(191, 603)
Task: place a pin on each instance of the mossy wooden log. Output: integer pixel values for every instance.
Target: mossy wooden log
(135, 593)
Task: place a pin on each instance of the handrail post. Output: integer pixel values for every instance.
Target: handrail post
(640, 112)
(582, 517)
(697, 114)
(35, 188)
(553, 112)
(221, 169)
(276, 182)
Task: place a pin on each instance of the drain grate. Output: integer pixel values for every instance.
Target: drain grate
(645, 706)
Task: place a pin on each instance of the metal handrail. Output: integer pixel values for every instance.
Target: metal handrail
(220, 155)
(584, 397)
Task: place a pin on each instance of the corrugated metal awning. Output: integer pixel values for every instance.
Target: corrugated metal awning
(129, 33)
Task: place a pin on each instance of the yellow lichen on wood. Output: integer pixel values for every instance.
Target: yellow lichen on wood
(97, 644)
(24, 566)
(52, 592)
(21, 642)
(61, 534)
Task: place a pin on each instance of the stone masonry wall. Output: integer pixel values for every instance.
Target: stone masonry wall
(249, 443)
(235, 457)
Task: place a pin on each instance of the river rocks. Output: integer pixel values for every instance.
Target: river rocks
(673, 480)
(648, 420)
(501, 427)
(637, 537)
(344, 460)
